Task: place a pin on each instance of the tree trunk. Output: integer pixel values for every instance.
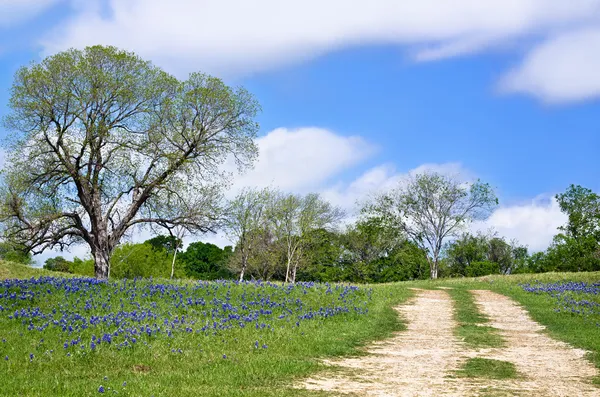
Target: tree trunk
(287, 272)
(294, 273)
(101, 264)
(244, 265)
(434, 269)
(173, 263)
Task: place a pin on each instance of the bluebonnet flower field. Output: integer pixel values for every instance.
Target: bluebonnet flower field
(571, 298)
(74, 336)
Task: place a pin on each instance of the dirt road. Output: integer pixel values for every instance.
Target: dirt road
(421, 360)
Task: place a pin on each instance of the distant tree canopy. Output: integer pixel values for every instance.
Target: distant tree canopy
(167, 243)
(371, 249)
(478, 255)
(206, 261)
(76, 266)
(103, 142)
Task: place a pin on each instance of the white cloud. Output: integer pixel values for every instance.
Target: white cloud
(383, 178)
(302, 159)
(227, 37)
(13, 12)
(564, 68)
(533, 224)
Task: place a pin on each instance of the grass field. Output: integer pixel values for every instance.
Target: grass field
(79, 337)
(74, 336)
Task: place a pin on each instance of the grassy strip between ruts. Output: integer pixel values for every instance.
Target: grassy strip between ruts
(471, 329)
(478, 367)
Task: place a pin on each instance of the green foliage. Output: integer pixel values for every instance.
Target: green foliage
(482, 268)
(479, 255)
(205, 261)
(141, 260)
(582, 207)
(15, 253)
(166, 243)
(103, 141)
(58, 264)
(431, 208)
(365, 252)
(77, 266)
(82, 267)
(478, 367)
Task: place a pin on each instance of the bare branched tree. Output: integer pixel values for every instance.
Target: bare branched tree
(430, 208)
(245, 215)
(292, 217)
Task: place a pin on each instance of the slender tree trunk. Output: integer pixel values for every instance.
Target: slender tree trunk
(433, 267)
(289, 263)
(294, 272)
(173, 263)
(244, 265)
(434, 272)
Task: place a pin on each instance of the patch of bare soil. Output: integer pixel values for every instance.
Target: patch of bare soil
(421, 360)
(549, 367)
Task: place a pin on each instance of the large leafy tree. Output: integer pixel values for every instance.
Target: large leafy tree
(430, 208)
(104, 142)
(582, 207)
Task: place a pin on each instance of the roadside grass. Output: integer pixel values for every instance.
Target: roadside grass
(225, 363)
(10, 270)
(478, 367)
(471, 327)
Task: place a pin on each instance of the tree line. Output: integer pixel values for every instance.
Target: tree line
(302, 238)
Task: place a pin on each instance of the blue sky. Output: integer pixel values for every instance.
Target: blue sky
(358, 94)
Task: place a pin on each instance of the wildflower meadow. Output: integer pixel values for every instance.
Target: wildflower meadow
(143, 337)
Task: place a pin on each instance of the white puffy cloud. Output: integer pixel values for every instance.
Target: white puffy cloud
(383, 178)
(13, 12)
(533, 223)
(302, 159)
(226, 37)
(563, 68)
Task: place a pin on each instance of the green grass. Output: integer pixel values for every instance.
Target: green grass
(487, 368)
(471, 329)
(291, 356)
(10, 270)
(570, 328)
(200, 369)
